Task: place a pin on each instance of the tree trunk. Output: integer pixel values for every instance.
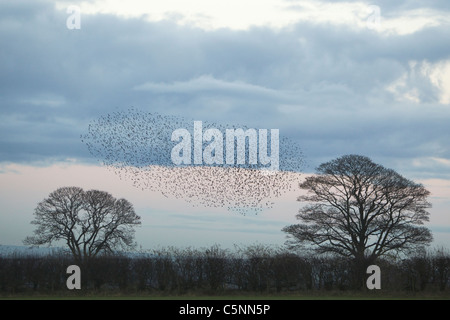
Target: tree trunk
(360, 265)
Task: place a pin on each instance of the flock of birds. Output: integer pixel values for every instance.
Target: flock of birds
(137, 146)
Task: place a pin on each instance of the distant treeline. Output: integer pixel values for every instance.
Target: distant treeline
(255, 268)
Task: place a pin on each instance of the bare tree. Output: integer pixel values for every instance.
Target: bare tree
(360, 209)
(89, 222)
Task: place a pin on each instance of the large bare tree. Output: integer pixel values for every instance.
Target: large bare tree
(89, 222)
(356, 208)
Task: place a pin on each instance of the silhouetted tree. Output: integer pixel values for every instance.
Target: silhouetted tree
(362, 210)
(89, 222)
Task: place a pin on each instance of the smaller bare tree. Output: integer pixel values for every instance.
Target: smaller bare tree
(89, 222)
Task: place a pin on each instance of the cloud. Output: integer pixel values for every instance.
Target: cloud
(332, 87)
(315, 70)
(384, 17)
(424, 82)
(207, 83)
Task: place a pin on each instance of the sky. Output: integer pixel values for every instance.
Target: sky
(335, 77)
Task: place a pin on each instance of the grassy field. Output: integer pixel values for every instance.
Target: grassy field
(239, 297)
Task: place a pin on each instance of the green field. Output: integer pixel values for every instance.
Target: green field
(302, 296)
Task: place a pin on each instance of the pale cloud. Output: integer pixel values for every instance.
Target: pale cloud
(445, 162)
(439, 74)
(402, 92)
(45, 100)
(208, 83)
(423, 81)
(242, 15)
(411, 21)
(431, 166)
(205, 14)
(439, 188)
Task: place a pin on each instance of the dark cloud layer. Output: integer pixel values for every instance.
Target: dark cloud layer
(325, 88)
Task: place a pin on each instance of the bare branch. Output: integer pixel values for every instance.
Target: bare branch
(357, 208)
(90, 222)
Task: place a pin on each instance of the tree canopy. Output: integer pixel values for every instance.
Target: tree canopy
(357, 208)
(89, 222)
